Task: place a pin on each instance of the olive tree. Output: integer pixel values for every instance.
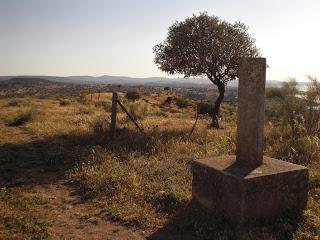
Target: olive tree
(206, 46)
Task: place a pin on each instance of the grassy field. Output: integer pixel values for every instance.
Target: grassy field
(139, 180)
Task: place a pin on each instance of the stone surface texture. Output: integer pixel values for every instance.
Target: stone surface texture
(244, 194)
(248, 186)
(250, 116)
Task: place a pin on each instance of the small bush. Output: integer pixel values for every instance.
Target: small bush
(103, 104)
(64, 102)
(22, 117)
(182, 103)
(138, 111)
(168, 101)
(301, 150)
(133, 95)
(82, 99)
(100, 126)
(205, 108)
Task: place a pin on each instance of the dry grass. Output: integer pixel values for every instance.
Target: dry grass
(19, 218)
(144, 180)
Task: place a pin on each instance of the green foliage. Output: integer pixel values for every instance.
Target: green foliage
(195, 45)
(285, 105)
(298, 110)
(23, 117)
(294, 116)
(133, 95)
(206, 46)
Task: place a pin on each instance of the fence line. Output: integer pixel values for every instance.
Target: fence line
(113, 123)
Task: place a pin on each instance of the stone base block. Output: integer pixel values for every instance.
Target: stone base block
(244, 194)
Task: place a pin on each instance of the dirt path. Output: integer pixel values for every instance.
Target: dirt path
(68, 216)
(69, 219)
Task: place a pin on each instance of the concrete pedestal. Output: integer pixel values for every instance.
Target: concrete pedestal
(243, 194)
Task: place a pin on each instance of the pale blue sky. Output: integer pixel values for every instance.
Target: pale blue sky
(115, 37)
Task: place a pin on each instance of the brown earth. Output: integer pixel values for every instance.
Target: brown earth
(70, 219)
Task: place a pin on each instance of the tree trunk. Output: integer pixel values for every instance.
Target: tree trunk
(216, 109)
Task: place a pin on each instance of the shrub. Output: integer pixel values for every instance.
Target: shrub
(103, 104)
(82, 99)
(100, 125)
(22, 117)
(133, 95)
(182, 103)
(301, 150)
(168, 101)
(138, 111)
(284, 106)
(64, 102)
(205, 108)
(166, 88)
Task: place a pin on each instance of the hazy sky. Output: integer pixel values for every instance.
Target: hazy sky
(115, 37)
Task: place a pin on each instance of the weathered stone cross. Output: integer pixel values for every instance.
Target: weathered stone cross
(249, 186)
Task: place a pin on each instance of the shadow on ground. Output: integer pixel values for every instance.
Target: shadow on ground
(47, 160)
(195, 223)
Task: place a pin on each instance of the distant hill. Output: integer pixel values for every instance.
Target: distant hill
(32, 86)
(130, 81)
(26, 81)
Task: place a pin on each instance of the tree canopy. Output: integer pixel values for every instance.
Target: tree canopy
(206, 46)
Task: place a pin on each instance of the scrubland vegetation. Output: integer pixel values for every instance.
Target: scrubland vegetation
(143, 180)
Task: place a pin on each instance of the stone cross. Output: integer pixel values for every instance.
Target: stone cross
(241, 188)
(250, 122)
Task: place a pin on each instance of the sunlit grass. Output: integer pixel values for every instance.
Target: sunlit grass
(142, 180)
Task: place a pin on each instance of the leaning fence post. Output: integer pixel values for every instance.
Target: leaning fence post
(113, 114)
(195, 123)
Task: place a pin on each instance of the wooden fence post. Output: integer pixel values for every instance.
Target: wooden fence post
(195, 123)
(113, 114)
(130, 117)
